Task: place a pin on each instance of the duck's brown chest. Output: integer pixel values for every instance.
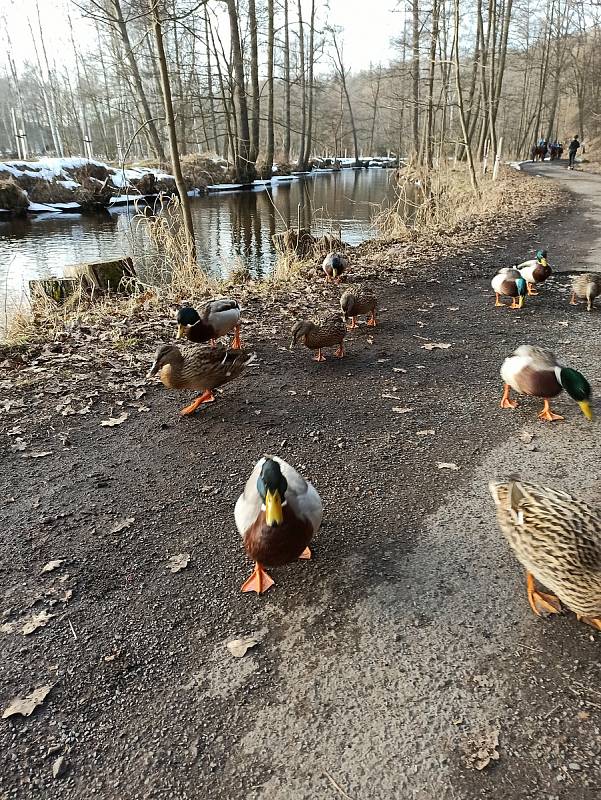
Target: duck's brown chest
(275, 545)
(541, 273)
(509, 289)
(539, 383)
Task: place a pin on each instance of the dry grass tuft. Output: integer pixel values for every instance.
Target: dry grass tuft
(437, 201)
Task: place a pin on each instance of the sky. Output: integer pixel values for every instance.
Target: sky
(367, 27)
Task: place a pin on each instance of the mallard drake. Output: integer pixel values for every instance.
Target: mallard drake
(277, 515)
(215, 319)
(358, 300)
(534, 271)
(334, 264)
(509, 283)
(198, 368)
(586, 287)
(326, 332)
(557, 539)
(538, 373)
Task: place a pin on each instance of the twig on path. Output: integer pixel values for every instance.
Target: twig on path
(72, 629)
(336, 786)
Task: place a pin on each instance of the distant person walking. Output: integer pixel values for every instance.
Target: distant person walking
(573, 148)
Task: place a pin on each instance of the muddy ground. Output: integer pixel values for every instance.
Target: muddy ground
(403, 661)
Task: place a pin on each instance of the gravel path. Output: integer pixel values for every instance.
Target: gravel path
(400, 659)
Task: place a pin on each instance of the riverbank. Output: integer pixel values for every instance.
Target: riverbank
(79, 185)
(405, 652)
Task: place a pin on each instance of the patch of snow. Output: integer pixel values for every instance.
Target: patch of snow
(67, 205)
(70, 184)
(222, 187)
(122, 199)
(40, 207)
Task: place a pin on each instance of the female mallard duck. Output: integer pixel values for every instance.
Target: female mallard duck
(358, 300)
(277, 515)
(334, 264)
(586, 287)
(557, 539)
(536, 372)
(198, 368)
(326, 332)
(509, 283)
(534, 271)
(215, 319)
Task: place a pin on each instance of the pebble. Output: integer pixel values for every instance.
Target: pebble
(59, 767)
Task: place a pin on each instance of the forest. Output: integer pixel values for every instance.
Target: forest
(257, 82)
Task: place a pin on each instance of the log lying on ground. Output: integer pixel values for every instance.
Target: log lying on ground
(100, 277)
(305, 246)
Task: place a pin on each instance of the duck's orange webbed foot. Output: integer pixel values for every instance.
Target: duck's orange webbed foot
(595, 622)
(372, 322)
(306, 554)
(320, 356)
(541, 603)
(497, 301)
(205, 397)
(237, 342)
(531, 290)
(546, 415)
(573, 300)
(339, 352)
(258, 582)
(353, 324)
(505, 400)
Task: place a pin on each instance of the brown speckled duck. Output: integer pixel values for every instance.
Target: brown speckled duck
(557, 539)
(359, 300)
(198, 368)
(326, 332)
(586, 287)
(215, 319)
(277, 515)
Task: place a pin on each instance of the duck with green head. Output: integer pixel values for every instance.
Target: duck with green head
(536, 372)
(535, 271)
(509, 283)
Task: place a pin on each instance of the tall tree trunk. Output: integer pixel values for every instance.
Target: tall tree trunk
(342, 74)
(135, 73)
(309, 140)
(427, 154)
(244, 167)
(415, 74)
(254, 83)
(210, 86)
(173, 146)
(269, 156)
(302, 160)
(467, 143)
(286, 85)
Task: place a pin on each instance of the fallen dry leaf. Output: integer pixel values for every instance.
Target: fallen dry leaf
(178, 562)
(526, 437)
(428, 432)
(482, 749)
(436, 346)
(401, 410)
(37, 454)
(399, 369)
(112, 421)
(446, 465)
(52, 565)
(239, 647)
(36, 621)
(122, 525)
(18, 445)
(26, 705)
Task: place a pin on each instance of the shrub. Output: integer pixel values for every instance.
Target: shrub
(12, 197)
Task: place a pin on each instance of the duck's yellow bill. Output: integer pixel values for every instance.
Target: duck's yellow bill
(181, 330)
(544, 262)
(586, 409)
(273, 508)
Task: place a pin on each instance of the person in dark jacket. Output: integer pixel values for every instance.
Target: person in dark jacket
(572, 150)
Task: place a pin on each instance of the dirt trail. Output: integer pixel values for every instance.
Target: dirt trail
(391, 663)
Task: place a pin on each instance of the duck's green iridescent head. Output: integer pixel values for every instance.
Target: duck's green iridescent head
(541, 257)
(579, 389)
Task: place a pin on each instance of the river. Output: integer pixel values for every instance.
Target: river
(229, 226)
